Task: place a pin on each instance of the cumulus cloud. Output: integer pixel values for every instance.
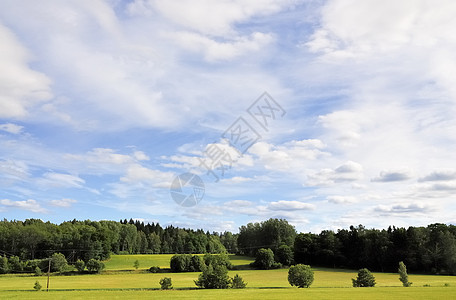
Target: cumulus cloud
(391, 176)
(341, 199)
(290, 205)
(30, 205)
(440, 175)
(404, 208)
(348, 172)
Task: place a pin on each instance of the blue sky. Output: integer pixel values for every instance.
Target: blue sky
(104, 103)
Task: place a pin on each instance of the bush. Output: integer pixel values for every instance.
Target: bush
(165, 283)
(365, 279)
(196, 263)
(213, 277)
(136, 264)
(301, 276)
(95, 266)
(79, 265)
(186, 263)
(15, 264)
(58, 263)
(217, 259)
(180, 262)
(285, 255)
(38, 271)
(237, 282)
(403, 276)
(4, 265)
(264, 259)
(37, 286)
(154, 269)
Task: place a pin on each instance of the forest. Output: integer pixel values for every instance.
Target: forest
(430, 249)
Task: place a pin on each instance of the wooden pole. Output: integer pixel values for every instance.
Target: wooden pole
(49, 271)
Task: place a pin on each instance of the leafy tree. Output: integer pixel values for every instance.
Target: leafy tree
(58, 263)
(196, 263)
(136, 264)
(213, 278)
(300, 275)
(264, 259)
(180, 262)
(403, 276)
(165, 283)
(237, 282)
(95, 266)
(219, 259)
(304, 248)
(79, 265)
(4, 266)
(364, 279)
(37, 286)
(38, 271)
(285, 255)
(15, 264)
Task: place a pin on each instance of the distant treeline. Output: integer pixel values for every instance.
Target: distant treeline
(430, 249)
(33, 238)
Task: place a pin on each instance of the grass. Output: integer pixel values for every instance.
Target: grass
(270, 284)
(125, 262)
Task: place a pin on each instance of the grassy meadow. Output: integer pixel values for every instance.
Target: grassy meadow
(121, 280)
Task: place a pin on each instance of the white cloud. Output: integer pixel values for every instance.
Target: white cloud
(21, 87)
(404, 209)
(11, 128)
(391, 176)
(63, 202)
(59, 180)
(290, 205)
(341, 199)
(348, 172)
(440, 175)
(30, 205)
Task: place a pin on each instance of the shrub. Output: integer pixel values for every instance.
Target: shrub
(15, 264)
(285, 255)
(364, 279)
(237, 282)
(79, 265)
(165, 283)
(301, 276)
(38, 271)
(217, 259)
(180, 262)
(196, 262)
(37, 286)
(213, 277)
(136, 264)
(58, 263)
(264, 259)
(95, 266)
(403, 276)
(154, 269)
(4, 265)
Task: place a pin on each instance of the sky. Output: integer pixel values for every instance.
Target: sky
(325, 113)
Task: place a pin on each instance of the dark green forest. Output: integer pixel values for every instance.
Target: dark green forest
(430, 249)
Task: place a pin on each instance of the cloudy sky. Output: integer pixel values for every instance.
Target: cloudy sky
(104, 103)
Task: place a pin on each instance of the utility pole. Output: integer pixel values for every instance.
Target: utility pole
(49, 271)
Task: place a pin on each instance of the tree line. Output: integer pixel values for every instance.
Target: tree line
(34, 239)
(430, 249)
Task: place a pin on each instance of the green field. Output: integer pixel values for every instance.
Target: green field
(125, 262)
(270, 284)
